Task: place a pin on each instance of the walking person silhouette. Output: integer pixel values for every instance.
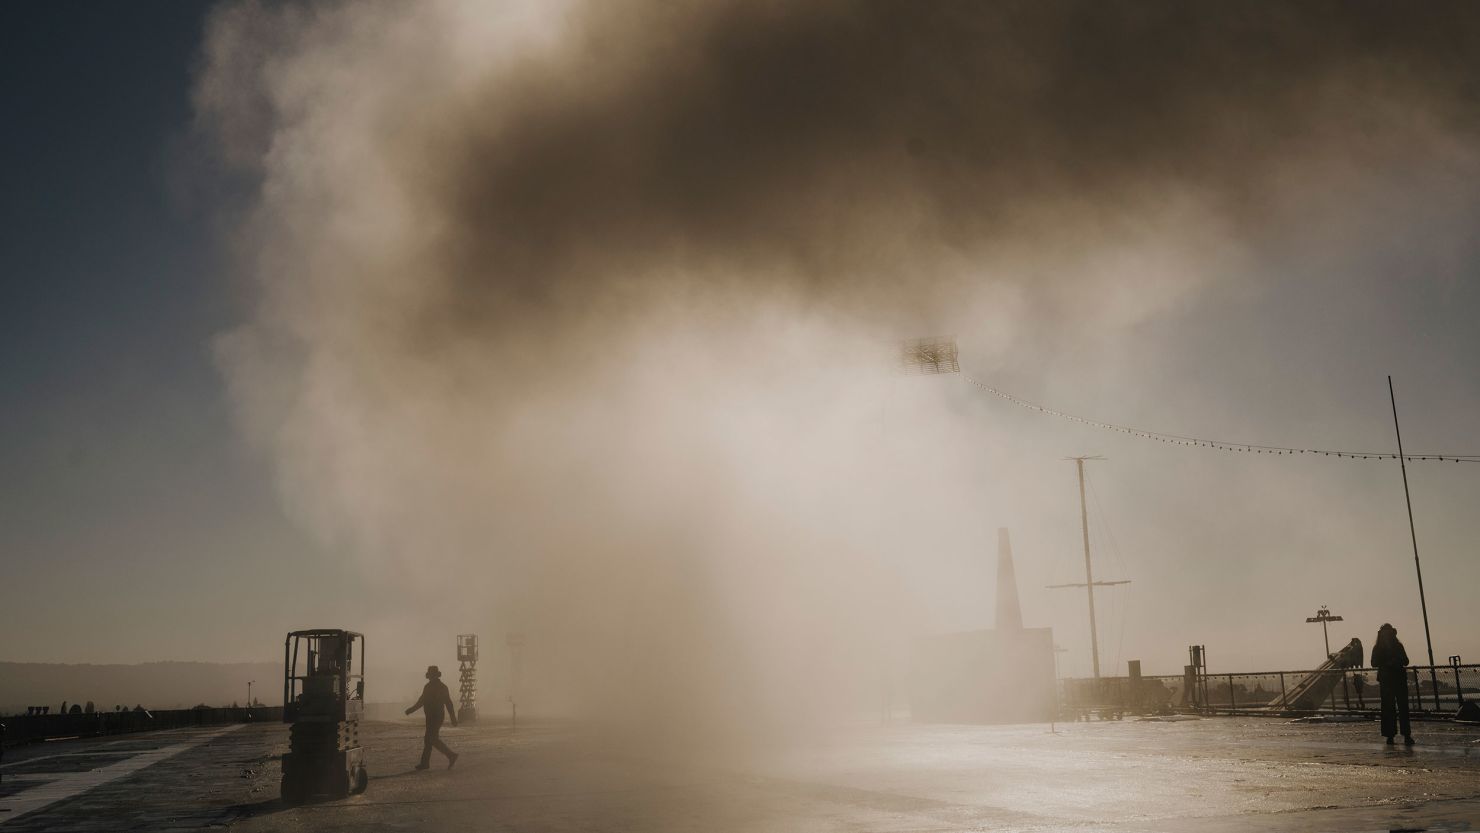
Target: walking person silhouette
(1391, 662)
(435, 698)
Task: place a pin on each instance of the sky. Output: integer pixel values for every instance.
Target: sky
(579, 322)
(134, 526)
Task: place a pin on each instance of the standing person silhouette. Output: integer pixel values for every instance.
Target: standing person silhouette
(1391, 662)
(435, 698)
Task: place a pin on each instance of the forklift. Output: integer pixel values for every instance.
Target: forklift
(323, 702)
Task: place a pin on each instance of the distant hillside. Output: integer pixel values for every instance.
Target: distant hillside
(155, 685)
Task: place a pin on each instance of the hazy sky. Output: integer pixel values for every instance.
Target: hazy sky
(132, 525)
(444, 317)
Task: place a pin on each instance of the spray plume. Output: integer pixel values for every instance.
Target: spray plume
(570, 315)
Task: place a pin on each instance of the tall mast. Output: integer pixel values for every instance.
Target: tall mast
(1413, 536)
(1089, 584)
(1089, 574)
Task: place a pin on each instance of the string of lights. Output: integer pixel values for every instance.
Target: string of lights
(1199, 442)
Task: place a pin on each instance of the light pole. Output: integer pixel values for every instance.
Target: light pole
(1325, 618)
(249, 693)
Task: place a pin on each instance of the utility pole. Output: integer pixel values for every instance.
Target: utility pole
(1324, 617)
(1413, 536)
(1089, 576)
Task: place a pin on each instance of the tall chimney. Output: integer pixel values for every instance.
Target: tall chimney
(1009, 612)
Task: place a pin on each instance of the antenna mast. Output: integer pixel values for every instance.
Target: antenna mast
(1089, 576)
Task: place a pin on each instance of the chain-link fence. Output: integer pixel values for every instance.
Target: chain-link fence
(1432, 691)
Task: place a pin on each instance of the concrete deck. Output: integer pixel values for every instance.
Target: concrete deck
(1219, 774)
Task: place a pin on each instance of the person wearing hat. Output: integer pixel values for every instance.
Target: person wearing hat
(435, 698)
(1391, 662)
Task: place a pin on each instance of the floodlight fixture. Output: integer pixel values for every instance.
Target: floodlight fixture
(1325, 618)
(928, 356)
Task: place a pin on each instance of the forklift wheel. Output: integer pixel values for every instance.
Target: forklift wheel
(362, 781)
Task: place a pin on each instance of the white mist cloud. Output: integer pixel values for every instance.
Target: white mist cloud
(569, 320)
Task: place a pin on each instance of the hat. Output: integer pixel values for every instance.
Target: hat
(433, 672)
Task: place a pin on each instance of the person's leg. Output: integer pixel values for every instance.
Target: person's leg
(428, 741)
(434, 741)
(1403, 713)
(1389, 709)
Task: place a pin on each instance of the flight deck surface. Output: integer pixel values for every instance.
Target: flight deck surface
(1216, 774)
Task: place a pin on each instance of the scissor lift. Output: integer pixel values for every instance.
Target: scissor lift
(467, 662)
(323, 701)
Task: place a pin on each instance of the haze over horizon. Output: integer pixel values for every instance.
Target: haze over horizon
(577, 322)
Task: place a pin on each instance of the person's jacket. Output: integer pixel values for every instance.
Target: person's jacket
(1390, 660)
(434, 698)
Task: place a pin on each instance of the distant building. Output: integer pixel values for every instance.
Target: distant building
(1001, 675)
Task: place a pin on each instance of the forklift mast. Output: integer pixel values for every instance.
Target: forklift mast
(323, 681)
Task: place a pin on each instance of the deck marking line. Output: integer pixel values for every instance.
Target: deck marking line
(64, 785)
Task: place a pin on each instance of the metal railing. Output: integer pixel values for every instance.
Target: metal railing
(21, 729)
(1434, 691)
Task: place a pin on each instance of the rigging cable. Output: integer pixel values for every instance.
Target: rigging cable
(1179, 439)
